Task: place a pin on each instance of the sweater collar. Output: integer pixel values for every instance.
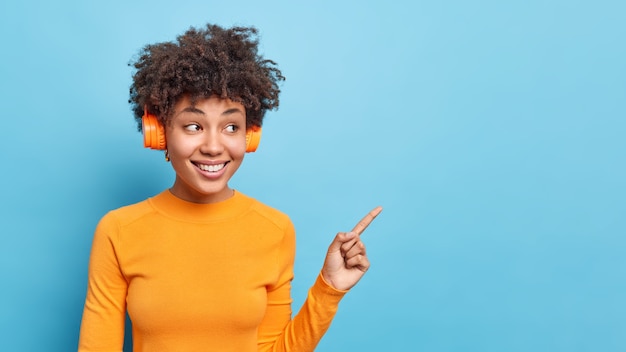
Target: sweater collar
(172, 206)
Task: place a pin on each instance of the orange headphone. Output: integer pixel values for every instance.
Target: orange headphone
(154, 134)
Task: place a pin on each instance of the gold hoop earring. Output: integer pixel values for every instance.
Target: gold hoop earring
(167, 156)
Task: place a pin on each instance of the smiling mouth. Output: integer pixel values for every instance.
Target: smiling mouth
(211, 168)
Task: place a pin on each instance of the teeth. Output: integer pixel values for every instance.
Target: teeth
(211, 168)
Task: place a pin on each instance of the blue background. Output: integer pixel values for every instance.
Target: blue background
(491, 131)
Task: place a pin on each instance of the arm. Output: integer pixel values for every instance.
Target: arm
(346, 262)
(278, 331)
(102, 327)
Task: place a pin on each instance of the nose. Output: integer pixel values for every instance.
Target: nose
(212, 143)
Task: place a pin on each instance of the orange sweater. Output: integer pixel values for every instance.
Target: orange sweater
(199, 277)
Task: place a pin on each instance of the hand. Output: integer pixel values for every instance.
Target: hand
(346, 261)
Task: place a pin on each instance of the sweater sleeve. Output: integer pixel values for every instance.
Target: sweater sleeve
(102, 327)
(278, 332)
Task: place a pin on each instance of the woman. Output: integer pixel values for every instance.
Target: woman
(200, 266)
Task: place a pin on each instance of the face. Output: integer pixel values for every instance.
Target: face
(206, 144)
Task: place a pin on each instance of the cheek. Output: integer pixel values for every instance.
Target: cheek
(178, 144)
(179, 153)
(237, 148)
(179, 149)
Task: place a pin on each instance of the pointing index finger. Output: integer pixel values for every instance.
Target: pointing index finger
(365, 222)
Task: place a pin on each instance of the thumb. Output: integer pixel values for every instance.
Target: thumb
(341, 238)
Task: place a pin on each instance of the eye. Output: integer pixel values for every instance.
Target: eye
(193, 127)
(232, 128)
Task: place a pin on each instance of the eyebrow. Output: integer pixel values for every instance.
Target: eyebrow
(195, 110)
(231, 111)
(192, 109)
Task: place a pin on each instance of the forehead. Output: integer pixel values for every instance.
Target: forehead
(209, 107)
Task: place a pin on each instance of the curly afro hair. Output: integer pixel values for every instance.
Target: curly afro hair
(202, 63)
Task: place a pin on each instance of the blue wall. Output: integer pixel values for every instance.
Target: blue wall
(491, 131)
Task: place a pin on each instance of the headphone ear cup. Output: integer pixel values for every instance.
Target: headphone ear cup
(253, 138)
(153, 132)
